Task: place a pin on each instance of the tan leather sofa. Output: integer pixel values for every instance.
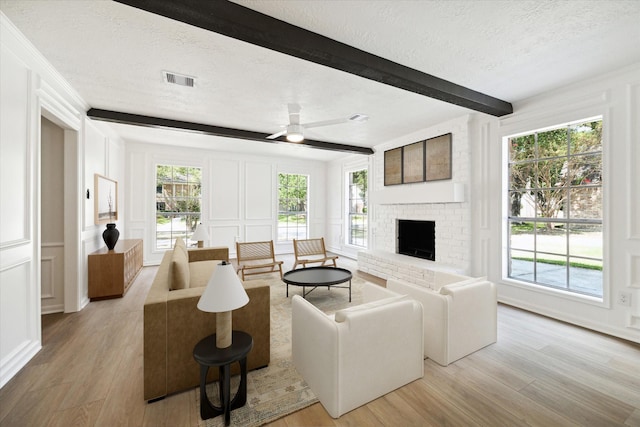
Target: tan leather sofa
(173, 325)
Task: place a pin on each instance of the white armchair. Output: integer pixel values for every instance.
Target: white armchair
(361, 353)
(459, 318)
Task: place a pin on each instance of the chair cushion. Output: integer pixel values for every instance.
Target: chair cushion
(180, 266)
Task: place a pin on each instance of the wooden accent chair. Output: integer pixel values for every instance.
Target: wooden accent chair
(257, 256)
(311, 251)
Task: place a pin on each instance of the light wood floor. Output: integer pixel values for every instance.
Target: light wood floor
(540, 372)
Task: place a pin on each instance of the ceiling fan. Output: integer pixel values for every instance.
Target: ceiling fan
(294, 131)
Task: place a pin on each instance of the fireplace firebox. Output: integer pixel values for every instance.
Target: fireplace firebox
(416, 238)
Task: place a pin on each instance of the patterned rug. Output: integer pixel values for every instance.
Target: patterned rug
(278, 390)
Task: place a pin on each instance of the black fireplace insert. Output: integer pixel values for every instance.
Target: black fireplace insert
(416, 238)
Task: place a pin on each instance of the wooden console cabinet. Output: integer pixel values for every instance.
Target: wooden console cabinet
(111, 273)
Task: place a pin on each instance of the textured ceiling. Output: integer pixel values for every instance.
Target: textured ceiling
(114, 55)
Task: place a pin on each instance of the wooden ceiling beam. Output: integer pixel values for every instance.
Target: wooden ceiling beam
(156, 122)
(239, 22)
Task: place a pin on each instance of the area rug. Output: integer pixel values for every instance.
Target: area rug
(278, 390)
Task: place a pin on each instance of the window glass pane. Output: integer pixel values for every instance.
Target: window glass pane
(550, 203)
(553, 143)
(521, 203)
(586, 276)
(522, 175)
(522, 148)
(522, 235)
(521, 265)
(551, 173)
(586, 137)
(586, 170)
(551, 238)
(585, 240)
(551, 270)
(586, 202)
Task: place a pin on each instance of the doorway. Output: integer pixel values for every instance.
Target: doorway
(52, 260)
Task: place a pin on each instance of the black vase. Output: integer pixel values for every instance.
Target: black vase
(110, 236)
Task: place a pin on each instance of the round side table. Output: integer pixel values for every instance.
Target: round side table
(207, 355)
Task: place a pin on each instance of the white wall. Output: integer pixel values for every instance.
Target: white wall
(239, 192)
(617, 97)
(31, 88)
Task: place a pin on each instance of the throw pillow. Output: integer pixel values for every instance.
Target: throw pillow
(179, 266)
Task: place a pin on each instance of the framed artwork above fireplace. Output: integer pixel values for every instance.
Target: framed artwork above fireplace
(428, 160)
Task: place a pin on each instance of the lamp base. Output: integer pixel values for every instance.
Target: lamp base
(201, 243)
(223, 329)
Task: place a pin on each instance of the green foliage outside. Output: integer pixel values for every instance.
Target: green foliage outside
(359, 178)
(292, 193)
(179, 192)
(545, 164)
(563, 263)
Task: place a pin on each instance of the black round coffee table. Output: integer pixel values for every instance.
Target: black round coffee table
(317, 276)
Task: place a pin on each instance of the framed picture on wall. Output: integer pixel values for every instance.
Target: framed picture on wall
(393, 166)
(413, 163)
(105, 199)
(438, 158)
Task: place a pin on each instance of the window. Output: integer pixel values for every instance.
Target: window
(178, 201)
(292, 206)
(555, 207)
(358, 219)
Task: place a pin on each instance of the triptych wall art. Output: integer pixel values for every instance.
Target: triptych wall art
(428, 160)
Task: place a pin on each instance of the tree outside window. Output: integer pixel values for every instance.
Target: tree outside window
(555, 207)
(292, 206)
(178, 202)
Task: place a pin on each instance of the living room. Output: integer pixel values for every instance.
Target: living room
(240, 189)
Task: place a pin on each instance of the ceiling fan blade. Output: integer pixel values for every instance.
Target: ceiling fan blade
(276, 135)
(294, 113)
(325, 123)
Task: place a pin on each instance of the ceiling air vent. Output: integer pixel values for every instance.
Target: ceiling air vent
(178, 79)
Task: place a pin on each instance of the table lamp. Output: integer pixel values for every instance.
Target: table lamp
(223, 294)
(200, 235)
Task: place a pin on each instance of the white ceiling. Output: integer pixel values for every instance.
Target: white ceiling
(114, 55)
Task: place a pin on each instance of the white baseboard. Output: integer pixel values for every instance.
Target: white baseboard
(17, 360)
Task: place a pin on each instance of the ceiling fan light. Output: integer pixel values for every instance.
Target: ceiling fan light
(294, 133)
(295, 137)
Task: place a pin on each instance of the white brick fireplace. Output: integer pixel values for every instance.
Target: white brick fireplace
(445, 202)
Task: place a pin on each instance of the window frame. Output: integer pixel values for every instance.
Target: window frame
(287, 212)
(506, 190)
(156, 202)
(348, 213)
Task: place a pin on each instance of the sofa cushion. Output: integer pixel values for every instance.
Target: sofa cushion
(200, 272)
(341, 315)
(180, 266)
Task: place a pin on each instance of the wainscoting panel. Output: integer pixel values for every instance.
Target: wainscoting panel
(258, 233)
(224, 203)
(258, 187)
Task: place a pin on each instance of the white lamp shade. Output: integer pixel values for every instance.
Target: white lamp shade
(200, 234)
(224, 291)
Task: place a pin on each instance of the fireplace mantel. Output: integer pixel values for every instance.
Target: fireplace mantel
(429, 192)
